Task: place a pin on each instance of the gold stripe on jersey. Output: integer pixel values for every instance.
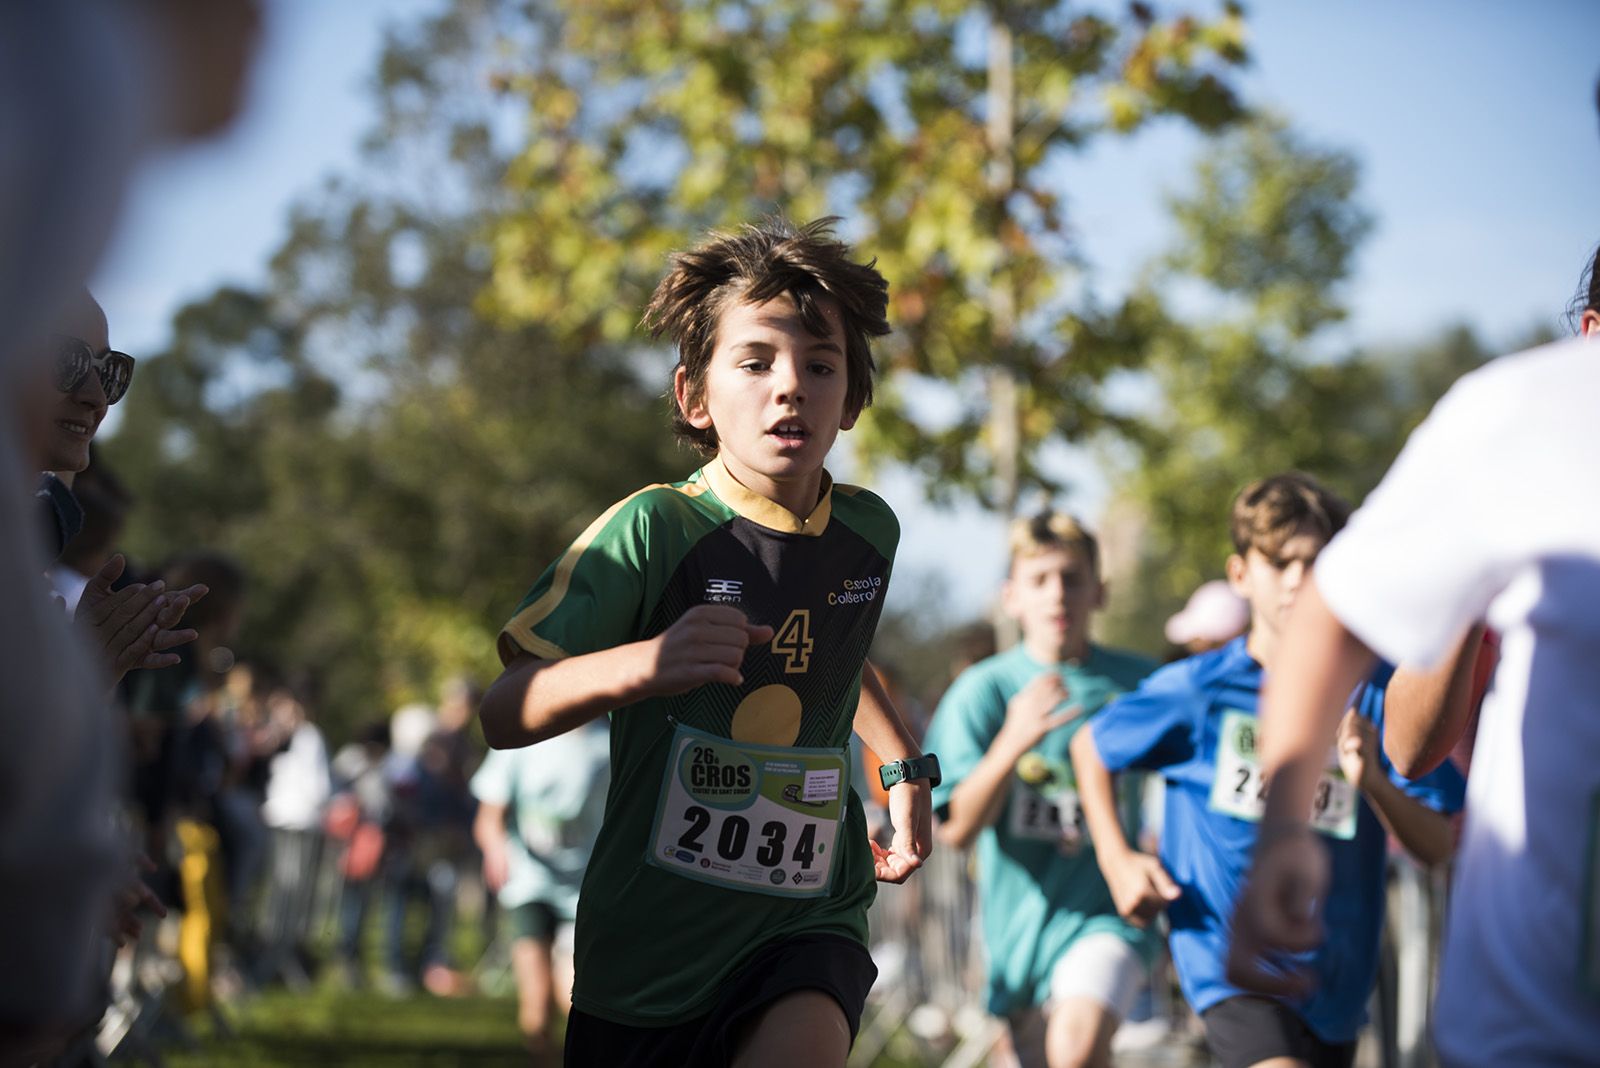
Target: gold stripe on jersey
(520, 630)
(764, 510)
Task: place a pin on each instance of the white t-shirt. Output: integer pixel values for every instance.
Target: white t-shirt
(298, 782)
(1493, 510)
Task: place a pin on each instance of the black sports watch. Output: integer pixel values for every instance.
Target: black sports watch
(925, 766)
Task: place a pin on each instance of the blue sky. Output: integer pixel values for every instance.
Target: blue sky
(1474, 121)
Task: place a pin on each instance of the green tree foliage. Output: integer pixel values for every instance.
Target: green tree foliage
(649, 122)
(393, 467)
(1265, 238)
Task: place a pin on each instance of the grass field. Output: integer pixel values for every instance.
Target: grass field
(326, 1027)
(331, 1025)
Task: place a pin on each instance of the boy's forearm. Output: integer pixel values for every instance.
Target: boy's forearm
(488, 826)
(1097, 795)
(1425, 713)
(976, 801)
(879, 723)
(1427, 835)
(535, 699)
(1318, 664)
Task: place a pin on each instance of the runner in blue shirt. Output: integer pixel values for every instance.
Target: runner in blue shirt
(1194, 721)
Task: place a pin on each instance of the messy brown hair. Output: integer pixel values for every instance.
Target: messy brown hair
(1270, 511)
(757, 263)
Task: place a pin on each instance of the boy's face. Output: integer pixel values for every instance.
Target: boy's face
(61, 425)
(1270, 583)
(775, 394)
(1051, 594)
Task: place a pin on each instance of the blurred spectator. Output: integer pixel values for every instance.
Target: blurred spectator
(105, 503)
(409, 854)
(77, 87)
(451, 753)
(356, 817)
(192, 760)
(63, 397)
(444, 842)
(75, 379)
(252, 741)
(297, 790)
(972, 642)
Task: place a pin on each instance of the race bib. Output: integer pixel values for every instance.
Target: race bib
(759, 818)
(1240, 791)
(1044, 805)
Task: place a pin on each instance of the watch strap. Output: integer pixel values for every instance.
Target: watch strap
(899, 771)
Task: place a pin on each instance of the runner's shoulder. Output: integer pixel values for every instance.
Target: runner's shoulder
(1124, 666)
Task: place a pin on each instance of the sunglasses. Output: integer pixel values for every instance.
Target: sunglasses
(75, 359)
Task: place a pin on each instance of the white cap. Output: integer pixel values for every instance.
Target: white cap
(1214, 614)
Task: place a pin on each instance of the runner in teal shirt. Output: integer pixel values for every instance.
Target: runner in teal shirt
(1002, 733)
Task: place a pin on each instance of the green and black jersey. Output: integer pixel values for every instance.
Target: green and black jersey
(653, 947)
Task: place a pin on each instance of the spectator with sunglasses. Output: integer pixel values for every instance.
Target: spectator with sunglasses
(63, 406)
(87, 378)
(64, 429)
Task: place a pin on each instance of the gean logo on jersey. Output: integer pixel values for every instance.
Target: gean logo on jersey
(724, 591)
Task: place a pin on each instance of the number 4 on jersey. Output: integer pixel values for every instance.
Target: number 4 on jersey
(793, 641)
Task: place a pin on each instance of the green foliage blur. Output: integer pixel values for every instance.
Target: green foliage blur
(1245, 385)
(393, 468)
(443, 381)
(651, 121)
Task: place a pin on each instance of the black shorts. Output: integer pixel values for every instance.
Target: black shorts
(839, 967)
(1247, 1030)
(535, 920)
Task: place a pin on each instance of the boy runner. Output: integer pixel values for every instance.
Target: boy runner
(724, 623)
(539, 810)
(1064, 968)
(1195, 722)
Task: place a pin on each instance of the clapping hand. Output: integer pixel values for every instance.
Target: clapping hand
(136, 626)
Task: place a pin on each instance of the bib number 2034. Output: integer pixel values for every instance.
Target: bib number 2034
(732, 839)
(762, 819)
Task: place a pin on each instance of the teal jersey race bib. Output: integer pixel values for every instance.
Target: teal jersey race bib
(1044, 805)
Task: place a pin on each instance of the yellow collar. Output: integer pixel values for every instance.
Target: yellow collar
(763, 510)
